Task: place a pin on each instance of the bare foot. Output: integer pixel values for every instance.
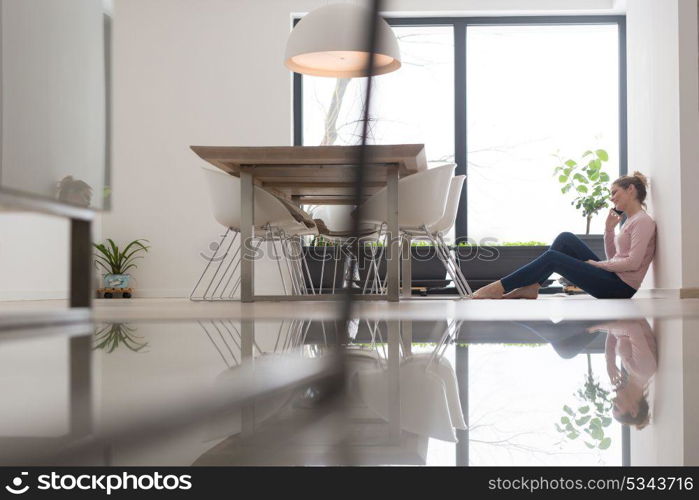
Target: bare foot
(526, 292)
(492, 291)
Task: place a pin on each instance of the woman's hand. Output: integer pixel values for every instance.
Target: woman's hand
(614, 374)
(612, 220)
(592, 262)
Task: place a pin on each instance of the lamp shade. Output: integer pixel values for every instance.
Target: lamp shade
(332, 40)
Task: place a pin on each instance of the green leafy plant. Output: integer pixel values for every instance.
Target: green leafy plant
(110, 337)
(320, 241)
(591, 416)
(507, 244)
(115, 261)
(588, 180)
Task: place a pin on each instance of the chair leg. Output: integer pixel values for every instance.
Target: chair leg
(230, 262)
(206, 268)
(455, 266)
(322, 272)
(335, 259)
(235, 259)
(217, 270)
(297, 267)
(276, 257)
(289, 265)
(304, 265)
(376, 256)
(371, 267)
(464, 281)
(445, 261)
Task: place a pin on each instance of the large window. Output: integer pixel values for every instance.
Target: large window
(536, 93)
(413, 105)
(507, 99)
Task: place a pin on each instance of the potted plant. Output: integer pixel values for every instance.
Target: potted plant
(590, 183)
(117, 262)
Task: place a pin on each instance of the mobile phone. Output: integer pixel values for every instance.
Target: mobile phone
(618, 212)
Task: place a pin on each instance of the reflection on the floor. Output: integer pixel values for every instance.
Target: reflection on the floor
(223, 392)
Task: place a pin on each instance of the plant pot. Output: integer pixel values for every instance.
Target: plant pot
(596, 244)
(484, 264)
(315, 256)
(426, 268)
(116, 280)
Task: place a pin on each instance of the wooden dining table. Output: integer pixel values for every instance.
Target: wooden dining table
(319, 175)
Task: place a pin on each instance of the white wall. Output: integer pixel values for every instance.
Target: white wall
(208, 72)
(689, 133)
(33, 256)
(663, 126)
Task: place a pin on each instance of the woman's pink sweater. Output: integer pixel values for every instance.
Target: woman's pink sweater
(630, 252)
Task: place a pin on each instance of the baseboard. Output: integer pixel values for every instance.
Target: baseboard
(667, 293)
(34, 295)
(657, 293)
(689, 293)
(161, 293)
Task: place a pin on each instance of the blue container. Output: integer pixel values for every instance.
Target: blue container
(116, 280)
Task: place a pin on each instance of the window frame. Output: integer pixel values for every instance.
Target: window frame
(460, 25)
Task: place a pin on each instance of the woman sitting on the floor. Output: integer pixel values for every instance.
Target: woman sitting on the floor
(629, 254)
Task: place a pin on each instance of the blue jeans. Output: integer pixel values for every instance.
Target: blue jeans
(567, 257)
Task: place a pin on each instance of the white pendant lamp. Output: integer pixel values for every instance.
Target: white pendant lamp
(332, 40)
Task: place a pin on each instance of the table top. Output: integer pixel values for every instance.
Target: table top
(315, 175)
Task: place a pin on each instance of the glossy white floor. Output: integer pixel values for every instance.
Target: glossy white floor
(672, 437)
(546, 307)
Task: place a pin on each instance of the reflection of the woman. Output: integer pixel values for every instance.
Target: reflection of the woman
(633, 342)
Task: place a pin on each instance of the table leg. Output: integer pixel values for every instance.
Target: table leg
(80, 263)
(394, 417)
(406, 268)
(393, 261)
(247, 264)
(406, 336)
(80, 395)
(247, 339)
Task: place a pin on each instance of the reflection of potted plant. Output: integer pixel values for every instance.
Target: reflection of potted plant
(587, 179)
(114, 335)
(590, 419)
(117, 262)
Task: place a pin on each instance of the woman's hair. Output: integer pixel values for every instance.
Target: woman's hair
(642, 417)
(639, 181)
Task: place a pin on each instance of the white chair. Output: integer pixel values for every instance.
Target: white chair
(435, 234)
(272, 221)
(422, 200)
